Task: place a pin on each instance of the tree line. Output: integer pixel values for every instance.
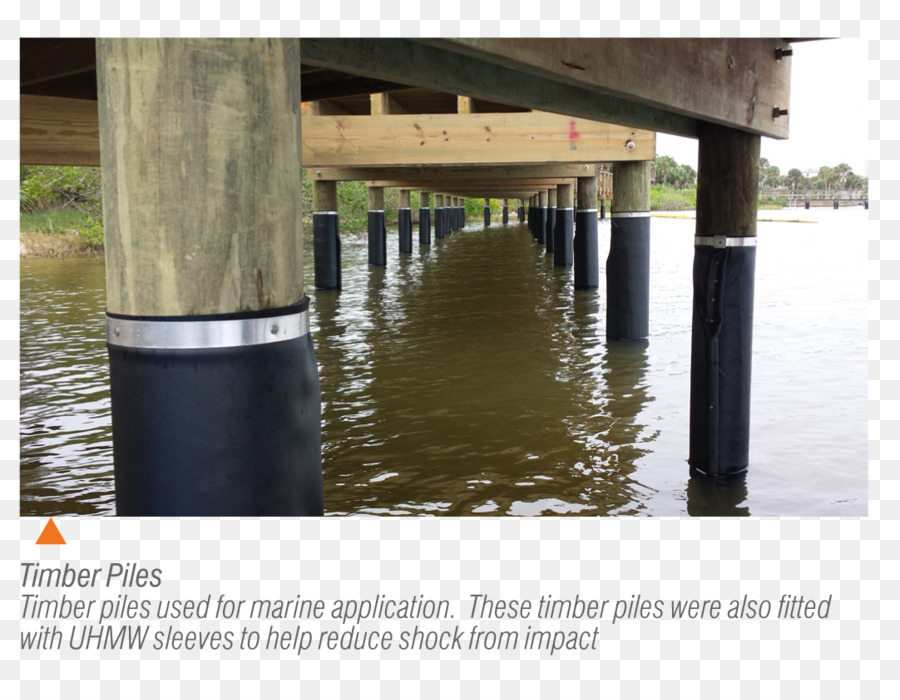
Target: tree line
(667, 172)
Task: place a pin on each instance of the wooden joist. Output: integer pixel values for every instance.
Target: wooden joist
(527, 137)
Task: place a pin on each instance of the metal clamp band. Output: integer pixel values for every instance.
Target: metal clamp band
(321, 213)
(188, 335)
(630, 214)
(587, 211)
(725, 241)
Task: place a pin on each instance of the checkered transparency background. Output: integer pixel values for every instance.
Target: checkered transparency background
(853, 654)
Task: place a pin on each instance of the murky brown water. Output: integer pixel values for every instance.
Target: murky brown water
(470, 379)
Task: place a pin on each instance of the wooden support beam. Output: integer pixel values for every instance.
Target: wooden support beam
(382, 103)
(322, 108)
(473, 183)
(732, 82)
(455, 173)
(668, 85)
(58, 131)
(421, 139)
(464, 105)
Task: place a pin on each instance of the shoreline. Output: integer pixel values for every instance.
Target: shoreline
(35, 244)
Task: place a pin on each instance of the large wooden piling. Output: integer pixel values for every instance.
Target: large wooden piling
(487, 212)
(724, 268)
(214, 385)
(628, 263)
(585, 244)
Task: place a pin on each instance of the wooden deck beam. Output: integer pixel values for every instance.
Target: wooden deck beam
(432, 139)
(456, 173)
(668, 85)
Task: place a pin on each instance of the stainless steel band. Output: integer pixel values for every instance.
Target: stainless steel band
(586, 211)
(193, 335)
(317, 213)
(630, 214)
(725, 241)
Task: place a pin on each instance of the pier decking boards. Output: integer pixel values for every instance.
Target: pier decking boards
(456, 118)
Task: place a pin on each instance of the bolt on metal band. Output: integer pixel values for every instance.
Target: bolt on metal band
(193, 335)
(725, 241)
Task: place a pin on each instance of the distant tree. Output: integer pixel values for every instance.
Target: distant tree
(664, 167)
(794, 178)
(763, 166)
(855, 182)
(841, 171)
(689, 176)
(826, 177)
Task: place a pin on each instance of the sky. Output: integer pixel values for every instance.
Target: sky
(828, 111)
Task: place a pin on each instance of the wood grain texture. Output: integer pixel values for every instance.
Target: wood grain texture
(732, 82)
(375, 197)
(455, 139)
(200, 155)
(587, 193)
(58, 131)
(564, 196)
(325, 196)
(631, 188)
(727, 182)
(464, 173)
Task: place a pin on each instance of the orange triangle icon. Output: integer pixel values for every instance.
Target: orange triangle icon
(51, 535)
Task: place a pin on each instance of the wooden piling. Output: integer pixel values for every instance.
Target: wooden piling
(724, 265)
(564, 230)
(404, 223)
(585, 244)
(326, 237)
(207, 325)
(628, 263)
(377, 233)
(424, 218)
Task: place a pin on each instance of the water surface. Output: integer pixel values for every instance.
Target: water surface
(469, 378)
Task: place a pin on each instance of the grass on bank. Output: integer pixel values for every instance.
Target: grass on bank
(58, 233)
